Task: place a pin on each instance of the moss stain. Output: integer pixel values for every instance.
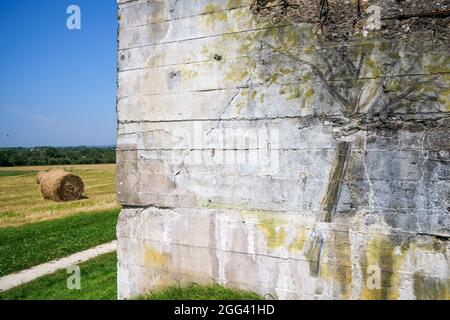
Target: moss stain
(239, 107)
(234, 4)
(444, 99)
(295, 93)
(313, 252)
(188, 74)
(439, 67)
(153, 257)
(299, 242)
(339, 267)
(309, 93)
(274, 233)
(374, 69)
(382, 252)
(427, 288)
(213, 14)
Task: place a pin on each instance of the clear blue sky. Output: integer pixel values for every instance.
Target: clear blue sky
(57, 86)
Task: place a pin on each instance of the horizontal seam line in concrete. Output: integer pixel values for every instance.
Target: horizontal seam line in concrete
(232, 59)
(274, 53)
(320, 262)
(275, 149)
(261, 85)
(199, 14)
(202, 37)
(28, 275)
(226, 59)
(333, 226)
(400, 211)
(328, 117)
(285, 25)
(312, 148)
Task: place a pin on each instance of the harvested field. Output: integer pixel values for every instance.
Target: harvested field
(21, 201)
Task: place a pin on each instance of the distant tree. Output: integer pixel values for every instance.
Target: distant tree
(56, 156)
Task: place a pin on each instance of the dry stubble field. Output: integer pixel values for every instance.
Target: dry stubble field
(21, 201)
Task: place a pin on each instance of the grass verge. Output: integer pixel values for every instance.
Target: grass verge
(98, 282)
(194, 291)
(32, 244)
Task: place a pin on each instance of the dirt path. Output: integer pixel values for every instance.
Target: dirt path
(16, 279)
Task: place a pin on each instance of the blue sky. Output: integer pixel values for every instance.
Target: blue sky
(57, 86)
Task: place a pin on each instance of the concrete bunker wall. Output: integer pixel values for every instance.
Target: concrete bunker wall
(262, 156)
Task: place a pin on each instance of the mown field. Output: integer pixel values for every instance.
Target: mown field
(35, 231)
(21, 201)
(98, 282)
(32, 244)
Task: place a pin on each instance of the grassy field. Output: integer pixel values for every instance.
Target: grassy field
(32, 244)
(98, 282)
(35, 231)
(21, 201)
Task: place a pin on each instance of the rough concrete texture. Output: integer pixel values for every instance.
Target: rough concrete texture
(350, 199)
(339, 20)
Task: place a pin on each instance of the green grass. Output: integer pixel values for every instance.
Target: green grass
(32, 244)
(98, 282)
(15, 173)
(200, 292)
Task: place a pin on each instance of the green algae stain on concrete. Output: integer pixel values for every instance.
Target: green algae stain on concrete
(295, 93)
(383, 255)
(338, 267)
(240, 70)
(428, 288)
(153, 257)
(330, 259)
(213, 14)
(273, 232)
(444, 99)
(437, 65)
(313, 252)
(234, 4)
(300, 239)
(188, 74)
(375, 71)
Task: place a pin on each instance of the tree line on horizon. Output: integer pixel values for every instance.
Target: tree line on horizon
(36, 156)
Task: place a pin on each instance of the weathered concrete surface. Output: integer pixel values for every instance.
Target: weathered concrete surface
(287, 255)
(264, 156)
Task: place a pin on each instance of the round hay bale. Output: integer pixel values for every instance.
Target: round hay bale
(59, 185)
(40, 176)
